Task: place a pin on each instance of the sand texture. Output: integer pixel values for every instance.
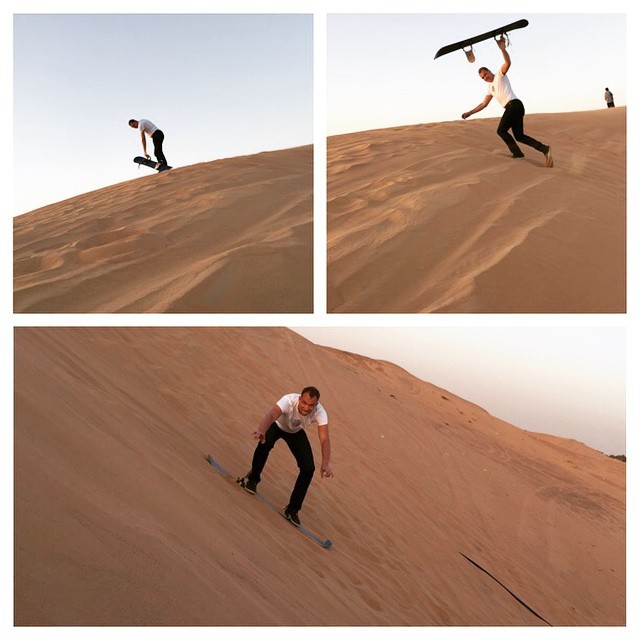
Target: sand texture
(233, 235)
(439, 218)
(119, 519)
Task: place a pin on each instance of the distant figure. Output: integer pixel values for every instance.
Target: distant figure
(146, 126)
(288, 419)
(513, 117)
(608, 98)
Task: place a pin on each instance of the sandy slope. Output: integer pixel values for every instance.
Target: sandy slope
(233, 235)
(439, 218)
(119, 520)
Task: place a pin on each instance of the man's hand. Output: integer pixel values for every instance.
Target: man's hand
(325, 472)
(502, 43)
(465, 115)
(265, 423)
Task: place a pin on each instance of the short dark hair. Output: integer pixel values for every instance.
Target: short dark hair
(484, 69)
(312, 391)
(132, 121)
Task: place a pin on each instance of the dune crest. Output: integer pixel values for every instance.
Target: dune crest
(233, 235)
(439, 218)
(120, 520)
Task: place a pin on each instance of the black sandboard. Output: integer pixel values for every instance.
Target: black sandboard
(150, 163)
(520, 24)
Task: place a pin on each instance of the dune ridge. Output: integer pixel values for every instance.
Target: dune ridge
(120, 520)
(438, 218)
(233, 235)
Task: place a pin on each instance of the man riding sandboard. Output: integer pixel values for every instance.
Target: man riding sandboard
(288, 420)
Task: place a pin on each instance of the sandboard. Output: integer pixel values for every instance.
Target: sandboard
(520, 24)
(326, 544)
(151, 163)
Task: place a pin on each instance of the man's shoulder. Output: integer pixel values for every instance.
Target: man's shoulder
(288, 399)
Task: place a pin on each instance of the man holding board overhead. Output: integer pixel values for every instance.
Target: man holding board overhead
(513, 117)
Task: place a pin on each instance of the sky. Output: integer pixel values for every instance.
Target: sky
(565, 381)
(381, 70)
(234, 84)
(217, 85)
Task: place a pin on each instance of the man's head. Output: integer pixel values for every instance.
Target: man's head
(485, 74)
(308, 401)
(133, 123)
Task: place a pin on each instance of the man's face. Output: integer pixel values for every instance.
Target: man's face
(306, 404)
(486, 75)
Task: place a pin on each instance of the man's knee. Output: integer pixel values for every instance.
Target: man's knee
(307, 468)
(270, 438)
(267, 445)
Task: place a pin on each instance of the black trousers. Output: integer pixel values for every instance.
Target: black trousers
(300, 447)
(158, 139)
(513, 118)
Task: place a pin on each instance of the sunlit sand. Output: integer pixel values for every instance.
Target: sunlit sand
(233, 235)
(120, 520)
(439, 218)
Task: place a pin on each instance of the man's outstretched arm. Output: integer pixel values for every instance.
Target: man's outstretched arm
(480, 107)
(502, 43)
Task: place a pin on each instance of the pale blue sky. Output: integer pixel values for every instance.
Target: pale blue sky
(566, 381)
(236, 84)
(217, 85)
(382, 73)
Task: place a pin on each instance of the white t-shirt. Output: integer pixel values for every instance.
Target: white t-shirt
(291, 420)
(146, 126)
(501, 89)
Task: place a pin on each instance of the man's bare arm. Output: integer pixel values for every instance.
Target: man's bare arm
(266, 422)
(502, 43)
(144, 144)
(325, 445)
(480, 107)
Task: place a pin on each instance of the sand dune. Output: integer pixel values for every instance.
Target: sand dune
(439, 218)
(119, 520)
(233, 235)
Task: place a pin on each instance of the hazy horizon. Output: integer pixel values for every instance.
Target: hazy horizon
(564, 381)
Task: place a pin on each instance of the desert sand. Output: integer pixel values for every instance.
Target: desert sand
(119, 519)
(439, 218)
(234, 235)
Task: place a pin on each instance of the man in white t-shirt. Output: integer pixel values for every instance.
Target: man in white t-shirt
(513, 117)
(288, 420)
(157, 136)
